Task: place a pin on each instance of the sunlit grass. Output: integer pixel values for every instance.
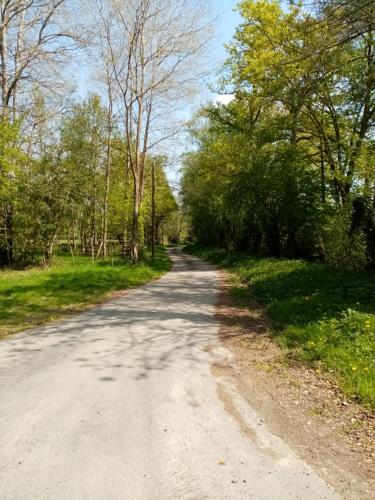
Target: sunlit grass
(323, 315)
(35, 296)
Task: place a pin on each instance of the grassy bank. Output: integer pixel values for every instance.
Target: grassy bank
(36, 296)
(323, 315)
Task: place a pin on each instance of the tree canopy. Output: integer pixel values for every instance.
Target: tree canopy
(286, 168)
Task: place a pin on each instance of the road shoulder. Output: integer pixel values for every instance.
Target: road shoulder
(302, 406)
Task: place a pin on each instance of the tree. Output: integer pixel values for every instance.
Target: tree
(287, 58)
(289, 156)
(31, 37)
(152, 46)
(10, 158)
(33, 43)
(85, 142)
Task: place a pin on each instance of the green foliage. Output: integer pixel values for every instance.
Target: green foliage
(249, 188)
(165, 202)
(10, 160)
(74, 185)
(37, 295)
(287, 168)
(9, 154)
(322, 314)
(343, 249)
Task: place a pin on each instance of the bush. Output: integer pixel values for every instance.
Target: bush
(343, 249)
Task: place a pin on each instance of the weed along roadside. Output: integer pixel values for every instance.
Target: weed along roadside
(320, 315)
(39, 295)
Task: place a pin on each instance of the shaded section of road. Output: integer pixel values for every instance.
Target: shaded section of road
(120, 402)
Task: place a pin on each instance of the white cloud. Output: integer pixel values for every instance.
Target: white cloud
(224, 99)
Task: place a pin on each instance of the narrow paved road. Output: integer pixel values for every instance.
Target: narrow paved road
(120, 402)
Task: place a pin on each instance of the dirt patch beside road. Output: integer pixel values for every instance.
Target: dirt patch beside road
(301, 405)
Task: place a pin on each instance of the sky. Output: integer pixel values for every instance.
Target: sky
(228, 23)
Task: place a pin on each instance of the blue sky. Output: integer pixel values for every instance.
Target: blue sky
(229, 21)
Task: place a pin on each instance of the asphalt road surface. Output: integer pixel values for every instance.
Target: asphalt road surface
(120, 402)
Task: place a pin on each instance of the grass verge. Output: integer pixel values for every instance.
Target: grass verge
(35, 296)
(323, 315)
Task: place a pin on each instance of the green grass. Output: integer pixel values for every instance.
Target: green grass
(35, 296)
(323, 315)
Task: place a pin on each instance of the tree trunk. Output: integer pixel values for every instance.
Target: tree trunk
(74, 238)
(124, 240)
(106, 200)
(125, 243)
(107, 174)
(135, 229)
(4, 61)
(9, 234)
(153, 210)
(322, 174)
(48, 249)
